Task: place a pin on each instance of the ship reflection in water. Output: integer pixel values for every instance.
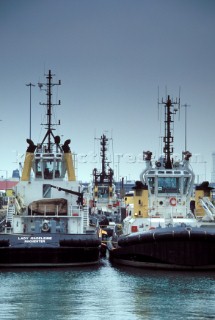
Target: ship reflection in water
(106, 292)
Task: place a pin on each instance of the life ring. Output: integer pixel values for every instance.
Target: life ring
(173, 202)
(45, 227)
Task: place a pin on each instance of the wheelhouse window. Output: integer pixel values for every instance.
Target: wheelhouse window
(186, 184)
(58, 169)
(38, 172)
(48, 169)
(151, 184)
(168, 185)
(103, 192)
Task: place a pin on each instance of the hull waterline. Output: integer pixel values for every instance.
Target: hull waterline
(48, 250)
(170, 248)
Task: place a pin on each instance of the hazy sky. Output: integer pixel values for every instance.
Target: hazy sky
(111, 56)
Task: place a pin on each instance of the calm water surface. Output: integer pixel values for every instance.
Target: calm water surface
(106, 292)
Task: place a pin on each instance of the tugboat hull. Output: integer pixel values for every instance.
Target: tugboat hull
(48, 250)
(167, 248)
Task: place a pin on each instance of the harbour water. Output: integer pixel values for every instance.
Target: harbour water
(106, 292)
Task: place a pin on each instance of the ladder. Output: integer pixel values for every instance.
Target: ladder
(85, 217)
(208, 206)
(10, 213)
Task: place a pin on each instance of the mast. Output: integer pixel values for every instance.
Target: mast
(103, 155)
(49, 105)
(30, 85)
(168, 139)
(103, 176)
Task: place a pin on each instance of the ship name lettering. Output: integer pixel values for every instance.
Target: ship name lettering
(34, 241)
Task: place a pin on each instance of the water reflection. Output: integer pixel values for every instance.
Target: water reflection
(171, 294)
(106, 291)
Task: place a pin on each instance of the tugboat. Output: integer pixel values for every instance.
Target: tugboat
(161, 230)
(104, 201)
(47, 224)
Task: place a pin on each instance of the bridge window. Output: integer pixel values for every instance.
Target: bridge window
(48, 166)
(151, 183)
(38, 172)
(186, 184)
(103, 192)
(168, 185)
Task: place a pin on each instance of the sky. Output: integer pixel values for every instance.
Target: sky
(116, 59)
